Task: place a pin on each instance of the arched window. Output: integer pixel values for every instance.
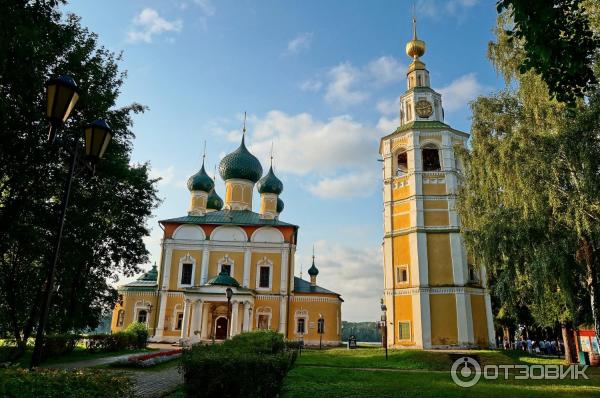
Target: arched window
(120, 318)
(142, 316)
(431, 158)
(401, 162)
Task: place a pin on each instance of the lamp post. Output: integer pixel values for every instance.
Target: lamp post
(321, 330)
(229, 295)
(384, 328)
(62, 95)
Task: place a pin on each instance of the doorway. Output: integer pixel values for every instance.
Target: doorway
(221, 328)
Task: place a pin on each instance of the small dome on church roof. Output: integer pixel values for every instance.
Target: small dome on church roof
(280, 205)
(151, 275)
(223, 279)
(240, 164)
(214, 201)
(270, 183)
(313, 270)
(200, 181)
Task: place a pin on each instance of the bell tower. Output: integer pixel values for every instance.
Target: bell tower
(435, 296)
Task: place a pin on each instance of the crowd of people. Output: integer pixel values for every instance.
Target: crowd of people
(541, 347)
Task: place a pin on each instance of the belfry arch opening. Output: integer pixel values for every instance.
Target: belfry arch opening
(431, 158)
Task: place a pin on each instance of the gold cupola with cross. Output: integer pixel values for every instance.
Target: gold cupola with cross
(434, 295)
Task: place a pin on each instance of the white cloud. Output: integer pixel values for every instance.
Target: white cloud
(355, 272)
(388, 125)
(437, 9)
(341, 90)
(460, 91)
(327, 155)
(311, 85)
(388, 106)
(345, 186)
(386, 70)
(166, 175)
(300, 43)
(148, 23)
(206, 6)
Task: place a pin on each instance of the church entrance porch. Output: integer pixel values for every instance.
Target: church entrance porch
(221, 328)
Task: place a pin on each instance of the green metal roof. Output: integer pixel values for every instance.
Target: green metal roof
(232, 217)
(240, 164)
(146, 282)
(270, 183)
(223, 279)
(302, 286)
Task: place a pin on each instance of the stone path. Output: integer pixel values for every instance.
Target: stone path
(156, 384)
(89, 363)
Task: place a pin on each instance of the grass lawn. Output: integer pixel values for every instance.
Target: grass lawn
(412, 373)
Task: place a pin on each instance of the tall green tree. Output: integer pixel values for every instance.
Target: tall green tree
(531, 195)
(106, 219)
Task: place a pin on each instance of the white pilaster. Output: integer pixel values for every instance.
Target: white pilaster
(459, 267)
(247, 260)
(161, 314)
(205, 333)
(204, 266)
(234, 318)
(283, 315)
(416, 314)
(186, 319)
(166, 268)
(196, 328)
(425, 319)
(490, 321)
(246, 318)
(283, 271)
(463, 319)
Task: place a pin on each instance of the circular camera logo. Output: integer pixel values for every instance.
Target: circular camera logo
(465, 372)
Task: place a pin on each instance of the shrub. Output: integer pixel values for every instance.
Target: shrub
(56, 345)
(111, 342)
(141, 333)
(46, 383)
(249, 365)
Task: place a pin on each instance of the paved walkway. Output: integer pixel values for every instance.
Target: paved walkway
(156, 384)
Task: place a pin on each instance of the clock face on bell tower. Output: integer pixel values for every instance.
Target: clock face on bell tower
(423, 108)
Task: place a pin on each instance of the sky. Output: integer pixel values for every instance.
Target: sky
(318, 79)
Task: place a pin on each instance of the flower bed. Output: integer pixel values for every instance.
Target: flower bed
(147, 360)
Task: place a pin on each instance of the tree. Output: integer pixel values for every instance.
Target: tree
(530, 200)
(558, 42)
(107, 213)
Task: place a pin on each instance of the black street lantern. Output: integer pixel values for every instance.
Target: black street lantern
(384, 328)
(229, 295)
(97, 137)
(61, 97)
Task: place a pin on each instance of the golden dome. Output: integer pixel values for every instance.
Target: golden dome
(415, 48)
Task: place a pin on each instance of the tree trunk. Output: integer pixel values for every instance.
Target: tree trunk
(589, 256)
(569, 343)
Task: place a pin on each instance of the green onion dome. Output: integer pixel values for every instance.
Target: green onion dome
(279, 205)
(214, 201)
(201, 181)
(270, 183)
(240, 164)
(313, 271)
(223, 279)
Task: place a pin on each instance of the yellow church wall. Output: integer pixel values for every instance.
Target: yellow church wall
(198, 202)
(401, 257)
(403, 313)
(480, 332)
(129, 301)
(174, 274)
(439, 259)
(275, 258)
(238, 263)
(443, 319)
(434, 189)
(401, 216)
(330, 312)
(273, 305)
(436, 218)
(172, 302)
(435, 204)
(401, 192)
